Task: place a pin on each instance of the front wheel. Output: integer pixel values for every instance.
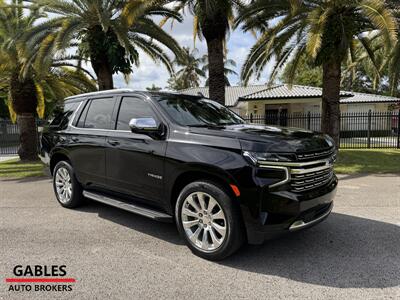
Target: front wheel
(67, 189)
(208, 220)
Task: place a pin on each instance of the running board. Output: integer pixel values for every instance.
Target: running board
(143, 211)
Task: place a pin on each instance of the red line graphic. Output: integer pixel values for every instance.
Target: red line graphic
(40, 280)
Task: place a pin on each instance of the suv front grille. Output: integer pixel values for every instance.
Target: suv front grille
(315, 155)
(307, 175)
(308, 180)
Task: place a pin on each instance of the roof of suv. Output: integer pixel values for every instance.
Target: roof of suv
(120, 91)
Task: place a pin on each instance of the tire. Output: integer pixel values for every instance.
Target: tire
(225, 232)
(64, 174)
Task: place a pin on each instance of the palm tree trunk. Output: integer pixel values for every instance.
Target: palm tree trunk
(28, 150)
(330, 99)
(216, 69)
(24, 103)
(97, 38)
(104, 74)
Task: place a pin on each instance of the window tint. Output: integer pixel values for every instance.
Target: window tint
(197, 111)
(82, 117)
(133, 108)
(62, 114)
(98, 114)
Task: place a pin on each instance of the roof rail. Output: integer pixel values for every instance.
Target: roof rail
(106, 92)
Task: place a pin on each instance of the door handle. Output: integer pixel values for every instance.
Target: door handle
(113, 142)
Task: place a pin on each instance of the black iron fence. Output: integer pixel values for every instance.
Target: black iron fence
(9, 137)
(357, 130)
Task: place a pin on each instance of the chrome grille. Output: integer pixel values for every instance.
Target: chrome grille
(306, 175)
(305, 181)
(315, 155)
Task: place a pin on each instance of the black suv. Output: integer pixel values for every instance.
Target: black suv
(188, 159)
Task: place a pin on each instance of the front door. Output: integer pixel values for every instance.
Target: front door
(135, 162)
(276, 116)
(271, 116)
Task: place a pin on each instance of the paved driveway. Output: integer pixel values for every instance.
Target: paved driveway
(354, 254)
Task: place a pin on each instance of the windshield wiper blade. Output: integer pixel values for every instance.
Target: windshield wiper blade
(206, 126)
(228, 123)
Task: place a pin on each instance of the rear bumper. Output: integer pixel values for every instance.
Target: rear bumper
(283, 212)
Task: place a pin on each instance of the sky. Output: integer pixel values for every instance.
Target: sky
(149, 72)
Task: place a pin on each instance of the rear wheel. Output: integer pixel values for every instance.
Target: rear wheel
(208, 220)
(67, 189)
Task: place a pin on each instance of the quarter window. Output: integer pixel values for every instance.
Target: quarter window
(133, 108)
(98, 114)
(62, 113)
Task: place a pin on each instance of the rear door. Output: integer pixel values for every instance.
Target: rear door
(135, 162)
(87, 144)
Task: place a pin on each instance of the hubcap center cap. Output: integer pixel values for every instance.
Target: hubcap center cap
(207, 219)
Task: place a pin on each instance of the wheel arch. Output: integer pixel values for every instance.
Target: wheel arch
(222, 179)
(57, 157)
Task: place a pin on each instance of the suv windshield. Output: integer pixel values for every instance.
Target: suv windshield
(198, 112)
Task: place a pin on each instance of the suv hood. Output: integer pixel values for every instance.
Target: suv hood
(261, 138)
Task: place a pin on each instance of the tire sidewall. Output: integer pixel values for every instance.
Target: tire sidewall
(225, 202)
(76, 190)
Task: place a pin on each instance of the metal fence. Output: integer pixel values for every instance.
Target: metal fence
(9, 138)
(357, 130)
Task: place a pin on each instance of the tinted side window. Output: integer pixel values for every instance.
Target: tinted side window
(82, 117)
(133, 108)
(99, 113)
(62, 113)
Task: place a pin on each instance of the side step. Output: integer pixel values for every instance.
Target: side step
(143, 211)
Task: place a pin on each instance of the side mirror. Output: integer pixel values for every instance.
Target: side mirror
(143, 125)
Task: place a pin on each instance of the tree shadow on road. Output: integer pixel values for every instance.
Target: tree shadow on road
(163, 231)
(344, 251)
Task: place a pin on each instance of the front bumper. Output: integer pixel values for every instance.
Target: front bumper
(283, 211)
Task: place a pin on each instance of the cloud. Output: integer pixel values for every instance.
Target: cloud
(149, 72)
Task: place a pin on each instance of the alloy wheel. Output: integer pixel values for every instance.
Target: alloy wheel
(204, 221)
(63, 185)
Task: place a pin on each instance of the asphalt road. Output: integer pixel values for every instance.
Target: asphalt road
(354, 254)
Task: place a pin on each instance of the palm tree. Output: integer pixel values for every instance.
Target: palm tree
(324, 30)
(26, 82)
(212, 20)
(190, 72)
(393, 61)
(109, 33)
(229, 65)
(176, 84)
(154, 88)
(363, 74)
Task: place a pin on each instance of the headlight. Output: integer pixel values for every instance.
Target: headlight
(266, 156)
(330, 141)
(277, 175)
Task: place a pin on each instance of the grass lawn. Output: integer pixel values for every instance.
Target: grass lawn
(368, 161)
(17, 169)
(349, 162)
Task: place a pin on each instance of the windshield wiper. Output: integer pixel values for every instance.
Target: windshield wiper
(206, 125)
(228, 123)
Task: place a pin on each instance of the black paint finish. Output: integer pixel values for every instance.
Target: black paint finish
(151, 169)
